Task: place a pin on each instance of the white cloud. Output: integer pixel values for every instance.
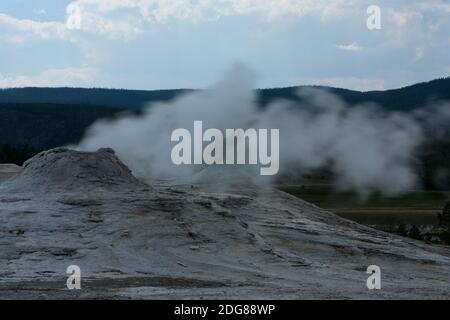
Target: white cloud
(44, 30)
(52, 78)
(349, 47)
(420, 26)
(162, 10)
(97, 24)
(403, 18)
(270, 9)
(127, 18)
(113, 17)
(273, 9)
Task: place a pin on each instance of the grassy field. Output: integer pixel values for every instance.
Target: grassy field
(413, 208)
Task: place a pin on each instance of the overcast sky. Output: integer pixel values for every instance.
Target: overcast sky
(154, 44)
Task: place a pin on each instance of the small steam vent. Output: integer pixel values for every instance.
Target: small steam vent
(62, 169)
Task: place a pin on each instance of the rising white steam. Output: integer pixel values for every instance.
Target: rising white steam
(367, 148)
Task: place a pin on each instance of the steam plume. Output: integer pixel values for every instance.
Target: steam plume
(367, 148)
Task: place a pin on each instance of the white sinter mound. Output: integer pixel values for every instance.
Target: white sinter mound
(64, 169)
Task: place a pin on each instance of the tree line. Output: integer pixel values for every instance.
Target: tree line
(16, 155)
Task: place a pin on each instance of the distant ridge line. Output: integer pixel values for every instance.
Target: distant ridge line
(406, 97)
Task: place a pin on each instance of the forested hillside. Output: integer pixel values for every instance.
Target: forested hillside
(43, 126)
(399, 99)
(403, 99)
(80, 96)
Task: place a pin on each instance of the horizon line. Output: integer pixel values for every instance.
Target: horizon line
(199, 89)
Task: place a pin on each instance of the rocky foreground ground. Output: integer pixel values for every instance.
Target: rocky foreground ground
(166, 240)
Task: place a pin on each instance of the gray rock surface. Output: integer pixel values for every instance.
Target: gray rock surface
(190, 241)
(7, 171)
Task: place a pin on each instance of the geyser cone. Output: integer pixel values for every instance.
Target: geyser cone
(63, 169)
